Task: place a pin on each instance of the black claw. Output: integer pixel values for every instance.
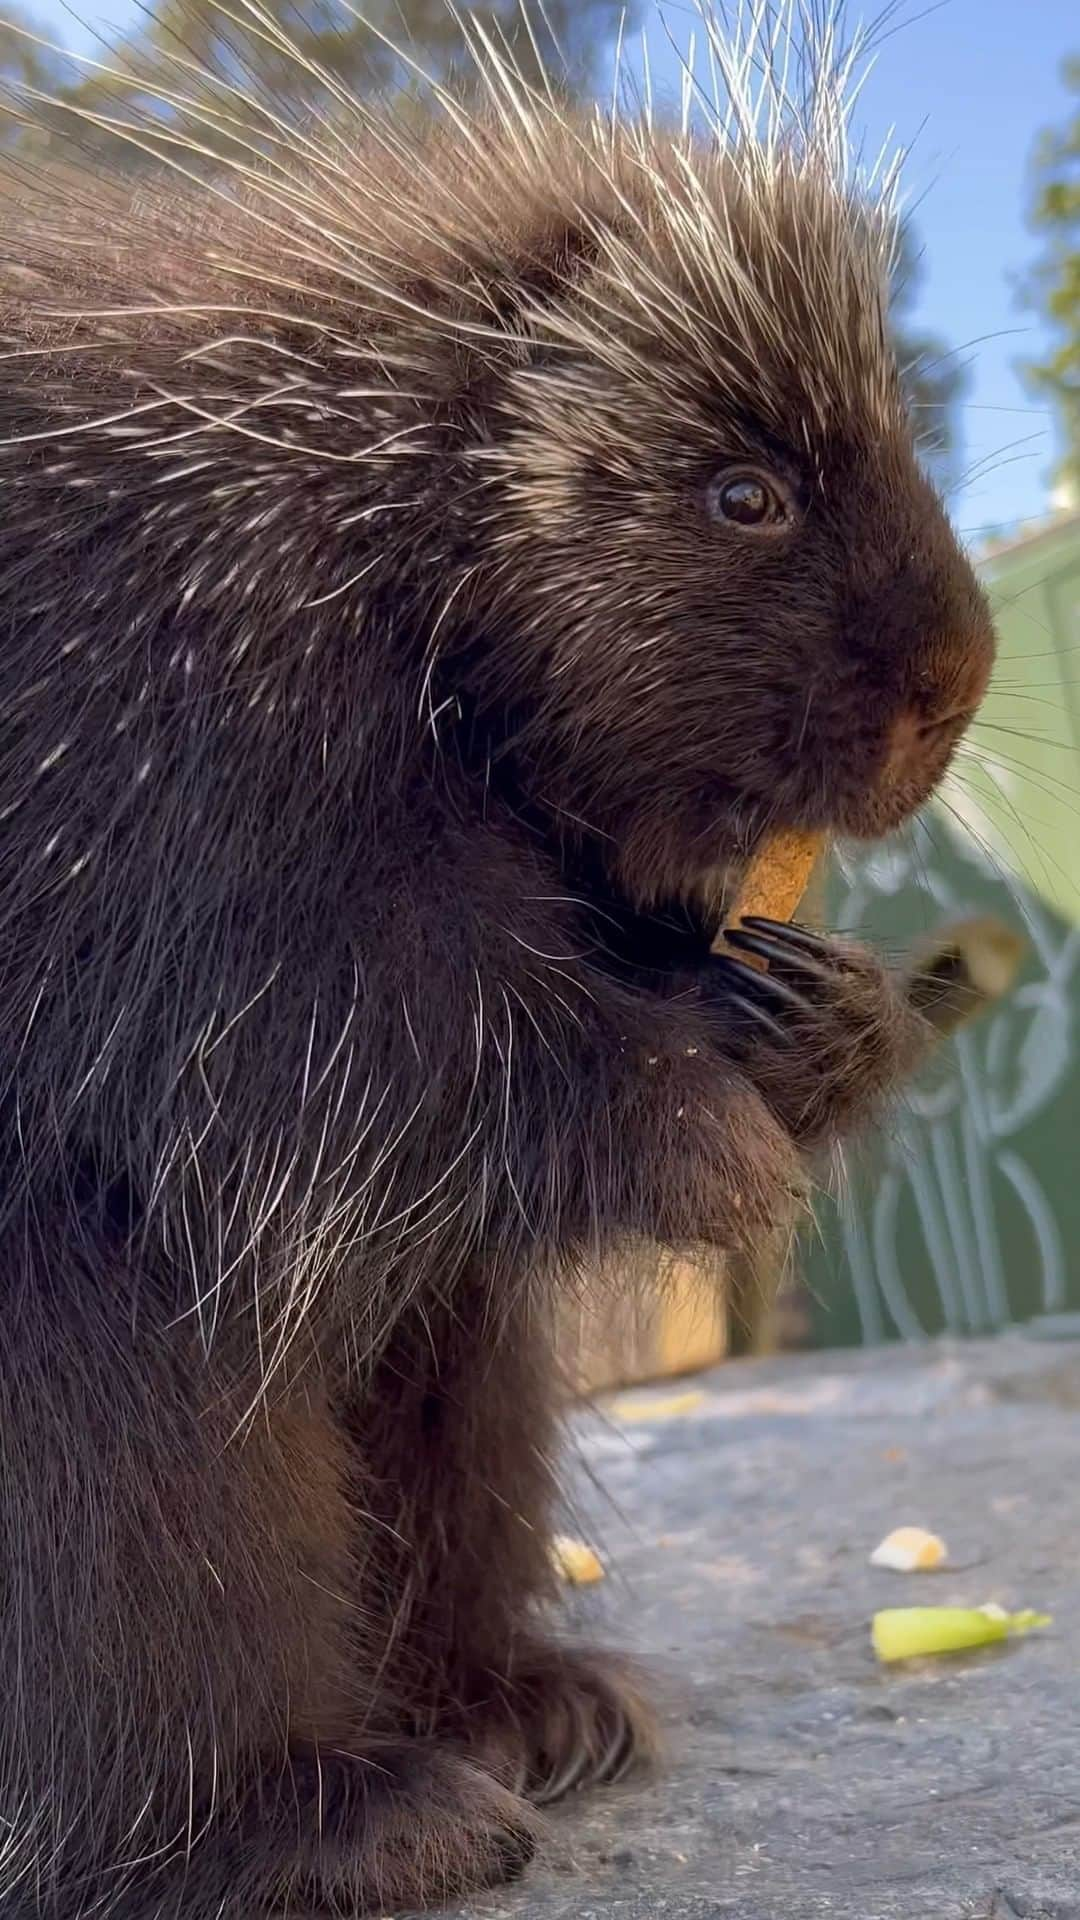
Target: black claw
(620, 1755)
(765, 1020)
(755, 1012)
(766, 988)
(793, 934)
(786, 956)
(763, 946)
(556, 1785)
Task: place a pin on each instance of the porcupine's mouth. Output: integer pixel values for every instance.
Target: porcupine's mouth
(643, 939)
(636, 936)
(649, 943)
(652, 944)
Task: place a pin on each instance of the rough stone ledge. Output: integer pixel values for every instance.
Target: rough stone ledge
(804, 1780)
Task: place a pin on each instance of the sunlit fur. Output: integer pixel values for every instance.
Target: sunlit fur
(377, 695)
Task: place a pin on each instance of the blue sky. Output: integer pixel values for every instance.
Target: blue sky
(966, 86)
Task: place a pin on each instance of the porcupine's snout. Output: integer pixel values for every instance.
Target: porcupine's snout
(922, 654)
(918, 741)
(946, 687)
(919, 747)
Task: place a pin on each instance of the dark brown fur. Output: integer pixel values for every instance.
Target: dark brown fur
(355, 820)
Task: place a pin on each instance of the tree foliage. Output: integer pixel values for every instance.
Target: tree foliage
(296, 54)
(377, 49)
(27, 67)
(1055, 288)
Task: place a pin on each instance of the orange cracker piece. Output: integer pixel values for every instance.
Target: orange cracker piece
(777, 880)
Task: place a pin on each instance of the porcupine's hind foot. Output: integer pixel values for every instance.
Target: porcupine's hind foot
(414, 1826)
(569, 1719)
(335, 1836)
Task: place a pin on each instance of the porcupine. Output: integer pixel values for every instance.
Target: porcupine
(430, 556)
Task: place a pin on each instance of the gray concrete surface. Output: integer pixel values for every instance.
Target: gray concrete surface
(805, 1780)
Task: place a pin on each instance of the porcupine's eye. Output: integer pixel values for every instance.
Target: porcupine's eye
(750, 501)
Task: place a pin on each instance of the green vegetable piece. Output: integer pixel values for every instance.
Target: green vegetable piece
(906, 1633)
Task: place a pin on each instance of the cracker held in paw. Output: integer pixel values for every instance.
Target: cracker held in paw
(777, 879)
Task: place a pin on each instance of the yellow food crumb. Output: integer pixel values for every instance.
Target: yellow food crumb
(669, 1408)
(575, 1563)
(909, 1550)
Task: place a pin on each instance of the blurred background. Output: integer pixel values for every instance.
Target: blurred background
(965, 1215)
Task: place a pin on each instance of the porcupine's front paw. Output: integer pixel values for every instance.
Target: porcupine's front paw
(824, 1033)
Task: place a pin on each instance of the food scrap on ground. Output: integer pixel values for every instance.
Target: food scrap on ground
(670, 1407)
(576, 1563)
(908, 1633)
(909, 1550)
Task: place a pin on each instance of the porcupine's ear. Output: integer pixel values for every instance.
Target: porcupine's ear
(547, 266)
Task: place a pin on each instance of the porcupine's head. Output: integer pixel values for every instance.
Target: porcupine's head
(727, 594)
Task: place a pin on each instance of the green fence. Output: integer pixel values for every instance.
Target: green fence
(966, 1215)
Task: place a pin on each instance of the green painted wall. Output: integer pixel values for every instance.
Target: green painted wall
(1019, 777)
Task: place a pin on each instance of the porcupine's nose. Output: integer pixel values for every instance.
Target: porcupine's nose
(923, 735)
(914, 741)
